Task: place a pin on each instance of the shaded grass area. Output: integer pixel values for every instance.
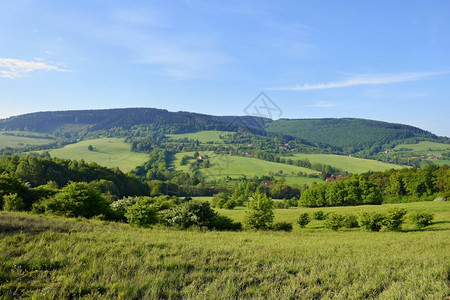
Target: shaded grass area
(50, 257)
(205, 136)
(108, 152)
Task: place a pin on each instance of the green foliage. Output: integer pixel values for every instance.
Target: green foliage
(281, 226)
(13, 202)
(142, 213)
(334, 221)
(319, 215)
(226, 223)
(371, 221)
(11, 185)
(77, 199)
(422, 219)
(259, 214)
(303, 219)
(352, 191)
(394, 218)
(223, 200)
(351, 221)
(191, 214)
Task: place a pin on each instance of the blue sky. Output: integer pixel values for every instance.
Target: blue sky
(384, 60)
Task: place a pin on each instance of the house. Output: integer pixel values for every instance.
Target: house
(329, 179)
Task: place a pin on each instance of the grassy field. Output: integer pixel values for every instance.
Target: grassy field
(236, 166)
(19, 141)
(202, 136)
(347, 163)
(43, 257)
(108, 152)
(425, 148)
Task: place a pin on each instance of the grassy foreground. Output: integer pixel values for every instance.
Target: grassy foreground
(48, 257)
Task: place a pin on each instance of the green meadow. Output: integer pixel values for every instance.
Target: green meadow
(236, 166)
(347, 163)
(14, 141)
(108, 152)
(46, 257)
(205, 136)
(424, 148)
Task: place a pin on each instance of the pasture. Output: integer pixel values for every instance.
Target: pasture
(51, 257)
(236, 166)
(108, 152)
(212, 136)
(347, 163)
(13, 140)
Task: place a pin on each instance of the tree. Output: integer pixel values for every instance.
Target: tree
(13, 202)
(259, 214)
(371, 221)
(90, 148)
(142, 213)
(334, 221)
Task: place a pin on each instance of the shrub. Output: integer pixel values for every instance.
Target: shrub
(303, 220)
(371, 221)
(192, 213)
(351, 221)
(223, 200)
(319, 215)
(226, 223)
(334, 221)
(281, 226)
(77, 199)
(260, 212)
(422, 219)
(394, 218)
(142, 213)
(13, 202)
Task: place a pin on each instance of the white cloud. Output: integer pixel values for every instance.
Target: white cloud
(364, 79)
(324, 104)
(15, 68)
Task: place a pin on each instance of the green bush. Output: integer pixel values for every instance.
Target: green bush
(394, 218)
(281, 226)
(334, 221)
(303, 220)
(13, 202)
(351, 221)
(226, 223)
(422, 219)
(77, 199)
(259, 214)
(319, 215)
(223, 200)
(371, 221)
(142, 213)
(192, 213)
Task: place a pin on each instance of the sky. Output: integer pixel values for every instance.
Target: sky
(382, 60)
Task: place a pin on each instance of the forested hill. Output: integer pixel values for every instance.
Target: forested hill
(125, 118)
(351, 134)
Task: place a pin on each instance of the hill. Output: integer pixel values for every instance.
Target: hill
(350, 134)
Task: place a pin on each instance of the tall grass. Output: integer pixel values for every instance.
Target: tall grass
(49, 257)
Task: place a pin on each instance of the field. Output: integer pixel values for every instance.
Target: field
(13, 141)
(49, 257)
(108, 152)
(202, 136)
(347, 163)
(236, 166)
(429, 149)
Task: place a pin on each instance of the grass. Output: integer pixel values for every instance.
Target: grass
(236, 166)
(202, 136)
(12, 141)
(108, 152)
(347, 163)
(425, 148)
(45, 257)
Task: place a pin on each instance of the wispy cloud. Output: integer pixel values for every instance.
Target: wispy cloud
(364, 79)
(15, 68)
(324, 104)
